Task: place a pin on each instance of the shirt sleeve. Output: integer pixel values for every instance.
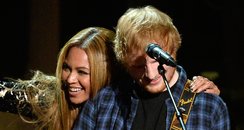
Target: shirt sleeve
(86, 118)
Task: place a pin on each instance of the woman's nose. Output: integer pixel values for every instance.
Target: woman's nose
(72, 78)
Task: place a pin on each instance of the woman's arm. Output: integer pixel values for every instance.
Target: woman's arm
(201, 83)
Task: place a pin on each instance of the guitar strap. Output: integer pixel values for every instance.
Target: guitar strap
(185, 104)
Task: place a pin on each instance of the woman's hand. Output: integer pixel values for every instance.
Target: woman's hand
(202, 84)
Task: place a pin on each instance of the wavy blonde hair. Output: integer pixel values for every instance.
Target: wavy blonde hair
(97, 42)
(46, 94)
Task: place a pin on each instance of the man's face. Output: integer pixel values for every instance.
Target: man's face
(145, 72)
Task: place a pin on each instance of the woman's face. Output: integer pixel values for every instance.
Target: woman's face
(76, 75)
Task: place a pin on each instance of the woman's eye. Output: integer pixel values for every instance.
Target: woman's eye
(81, 72)
(65, 67)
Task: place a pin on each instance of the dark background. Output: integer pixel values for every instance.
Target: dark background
(33, 31)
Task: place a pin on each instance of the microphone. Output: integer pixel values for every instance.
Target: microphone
(155, 52)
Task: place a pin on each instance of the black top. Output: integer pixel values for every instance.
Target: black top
(147, 117)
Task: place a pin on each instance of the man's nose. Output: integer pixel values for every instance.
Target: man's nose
(150, 71)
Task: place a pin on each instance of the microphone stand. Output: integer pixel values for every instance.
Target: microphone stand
(178, 113)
